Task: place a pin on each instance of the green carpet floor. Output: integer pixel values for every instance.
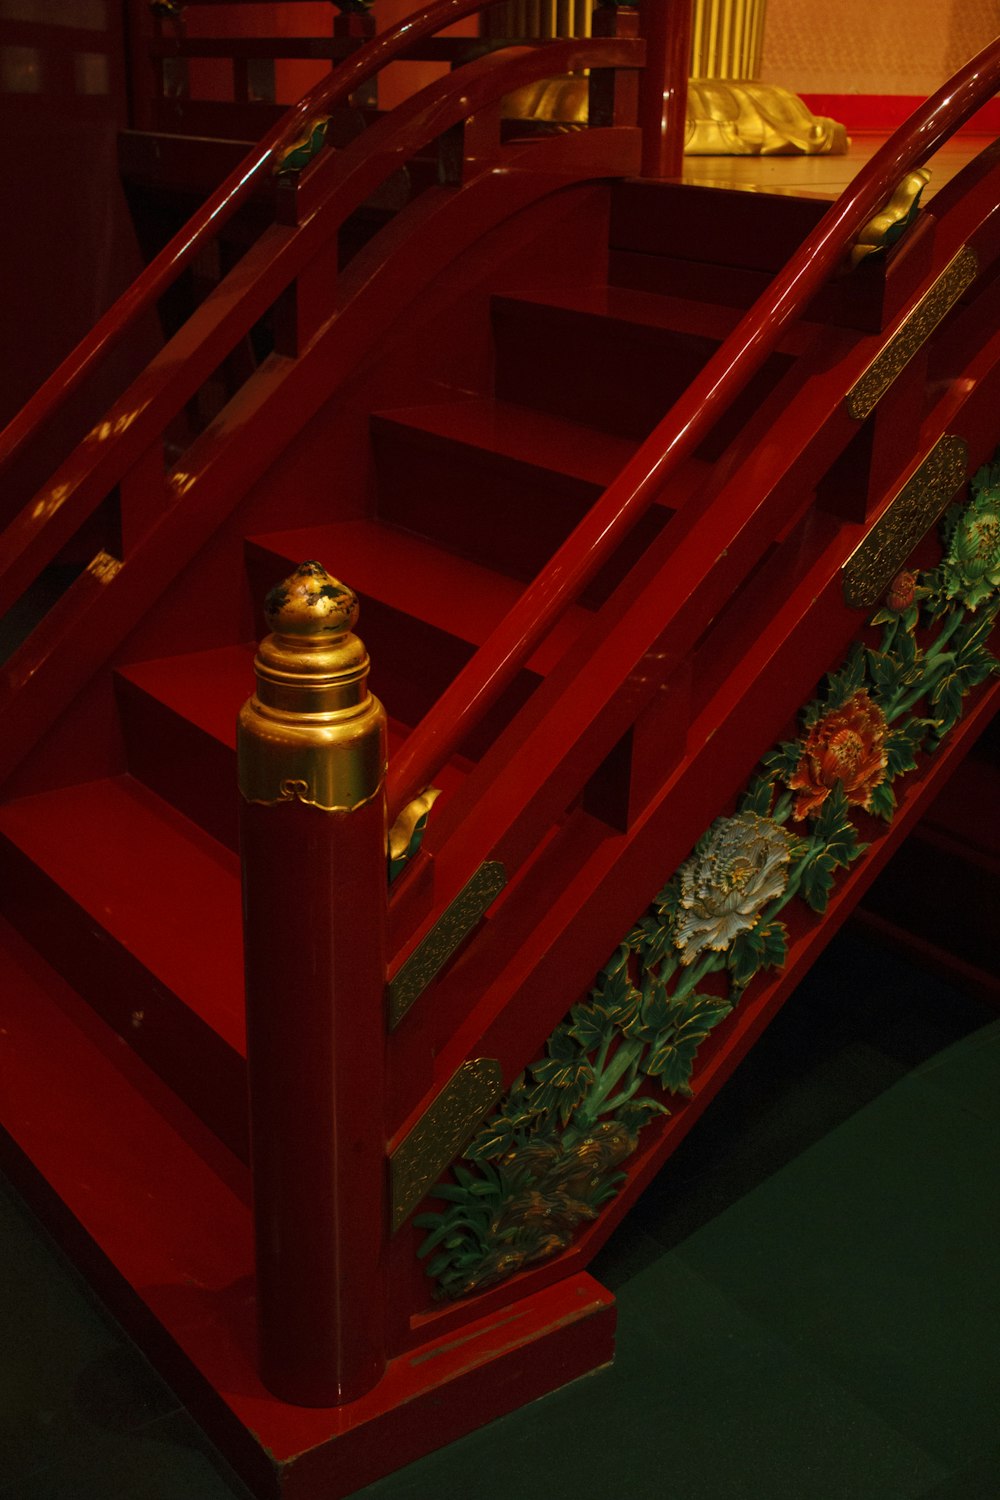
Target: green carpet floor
(808, 1298)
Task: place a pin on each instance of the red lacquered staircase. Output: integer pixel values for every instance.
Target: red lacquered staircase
(473, 400)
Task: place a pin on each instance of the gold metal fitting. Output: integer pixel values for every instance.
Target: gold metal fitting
(312, 732)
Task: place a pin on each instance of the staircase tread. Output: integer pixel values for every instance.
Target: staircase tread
(414, 576)
(149, 877)
(206, 687)
(650, 312)
(126, 1153)
(521, 433)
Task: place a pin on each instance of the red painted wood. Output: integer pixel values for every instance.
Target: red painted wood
(141, 912)
(648, 358)
(666, 839)
(533, 476)
(159, 1212)
(547, 785)
(236, 190)
(314, 894)
(693, 416)
(219, 467)
(877, 114)
(663, 96)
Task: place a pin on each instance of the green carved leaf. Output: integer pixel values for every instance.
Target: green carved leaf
(655, 1004)
(673, 1063)
(492, 1140)
(784, 760)
(902, 746)
(850, 679)
(638, 1112)
(886, 671)
(882, 802)
(762, 947)
(835, 830)
(589, 1025)
(758, 796)
(946, 701)
(817, 881)
(561, 1048)
(651, 941)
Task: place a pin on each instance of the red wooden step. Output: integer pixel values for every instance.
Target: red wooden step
(502, 483)
(723, 245)
(613, 358)
(721, 226)
(158, 1212)
(423, 611)
(140, 911)
(178, 717)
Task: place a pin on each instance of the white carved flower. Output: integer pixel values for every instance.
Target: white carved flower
(726, 884)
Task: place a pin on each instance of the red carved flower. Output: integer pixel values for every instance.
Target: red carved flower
(846, 745)
(902, 592)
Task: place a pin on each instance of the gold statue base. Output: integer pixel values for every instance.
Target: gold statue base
(725, 117)
(729, 117)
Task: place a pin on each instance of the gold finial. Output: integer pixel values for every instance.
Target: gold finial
(312, 731)
(310, 603)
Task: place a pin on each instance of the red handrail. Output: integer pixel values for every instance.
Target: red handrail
(589, 546)
(389, 46)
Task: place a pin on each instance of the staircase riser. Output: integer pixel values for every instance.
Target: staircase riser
(756, 231)
(188, 768)
(191, 1058)
(502, 514)
(618, 377)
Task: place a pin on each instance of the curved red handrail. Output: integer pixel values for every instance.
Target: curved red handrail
(162, 271)
(588, 547)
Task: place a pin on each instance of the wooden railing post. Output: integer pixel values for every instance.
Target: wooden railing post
(666, 26)
(312, 753)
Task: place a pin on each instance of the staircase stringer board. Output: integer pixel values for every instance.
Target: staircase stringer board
(535, 979)
(527, 979)
(726, 1048)
(968, 409)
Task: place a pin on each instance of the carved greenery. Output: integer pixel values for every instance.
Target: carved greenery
(553, 1152)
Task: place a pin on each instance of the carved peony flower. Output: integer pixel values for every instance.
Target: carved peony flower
(972, 566)
(847, 745)
(902, 592)
(726, 884)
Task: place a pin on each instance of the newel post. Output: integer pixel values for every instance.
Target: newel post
(312, 755)
(666, 26)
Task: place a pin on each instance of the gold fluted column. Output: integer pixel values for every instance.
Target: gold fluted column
(729, 112)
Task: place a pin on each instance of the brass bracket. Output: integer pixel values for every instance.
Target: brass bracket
(458, 919)
(868, 390)
(440, 1134)
(879, 556)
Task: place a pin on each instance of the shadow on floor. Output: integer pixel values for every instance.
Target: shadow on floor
(807, 1299)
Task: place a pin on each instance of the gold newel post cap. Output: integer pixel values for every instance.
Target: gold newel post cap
(312, 731)
(309, 602)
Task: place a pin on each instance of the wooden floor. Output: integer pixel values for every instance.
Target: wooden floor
(820, 176)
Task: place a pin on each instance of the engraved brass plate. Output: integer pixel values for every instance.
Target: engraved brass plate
(440, 943)
(870, 387)
(877, 559)
(440, 1134)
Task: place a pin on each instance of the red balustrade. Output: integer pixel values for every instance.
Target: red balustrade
(676, 437)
